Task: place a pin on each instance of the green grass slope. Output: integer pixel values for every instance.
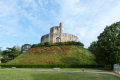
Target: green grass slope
(55, 55)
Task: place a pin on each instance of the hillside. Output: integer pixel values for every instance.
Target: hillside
(55, 55)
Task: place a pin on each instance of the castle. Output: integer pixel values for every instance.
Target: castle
(57, 35)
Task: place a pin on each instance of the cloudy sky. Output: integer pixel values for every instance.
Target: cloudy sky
(25, 21)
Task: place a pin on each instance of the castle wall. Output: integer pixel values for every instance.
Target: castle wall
(51, 38)
(68, 37)
(63, 37)
(55, 29)
(45, 38)
(57, 35)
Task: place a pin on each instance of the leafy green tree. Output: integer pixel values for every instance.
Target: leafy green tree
(109, 45)
(5, 54)
(9, 54)
(13, 53)
(0, 51)
(25, 47)
(18, 48)
(92, 48)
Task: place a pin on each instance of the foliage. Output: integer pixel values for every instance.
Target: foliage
(9, 54)
(55, 55)
(108, 45)
(18, 48)
(51, 65)
(38, 45)
(47, 44)
(34, 46)
(92, 48)
(25, 47)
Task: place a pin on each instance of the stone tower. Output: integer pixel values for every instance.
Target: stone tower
(57, 35)
(61, 27)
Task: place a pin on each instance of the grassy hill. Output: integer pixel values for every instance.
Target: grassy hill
(55, 55)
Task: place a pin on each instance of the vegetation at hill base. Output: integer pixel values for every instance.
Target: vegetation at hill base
(55, 55)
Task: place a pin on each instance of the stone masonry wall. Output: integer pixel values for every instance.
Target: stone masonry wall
(63, 37)
(57, 35)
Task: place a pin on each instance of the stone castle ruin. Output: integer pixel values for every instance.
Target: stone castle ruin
(57, 35)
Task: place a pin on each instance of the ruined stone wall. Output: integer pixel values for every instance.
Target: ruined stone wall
(68, 37)
(55, 29)
(57, 35)
(52, 38)
(45, 38)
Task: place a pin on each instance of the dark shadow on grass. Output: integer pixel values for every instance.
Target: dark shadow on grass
(105, 69)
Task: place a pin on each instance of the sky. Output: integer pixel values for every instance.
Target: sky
(26, 21)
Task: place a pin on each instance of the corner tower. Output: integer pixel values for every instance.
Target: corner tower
(61, 27)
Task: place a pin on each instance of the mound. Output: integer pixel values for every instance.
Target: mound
(55, 55)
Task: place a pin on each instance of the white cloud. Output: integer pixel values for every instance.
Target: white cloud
(85, 19)
(88, 18)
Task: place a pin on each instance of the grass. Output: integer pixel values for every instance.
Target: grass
(50, 74)
(55, 55)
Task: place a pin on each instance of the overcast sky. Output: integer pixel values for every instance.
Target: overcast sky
(26, 21)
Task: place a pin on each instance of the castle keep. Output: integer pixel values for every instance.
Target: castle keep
(57, 35)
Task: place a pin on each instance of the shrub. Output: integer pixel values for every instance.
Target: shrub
(47, 44)
(34, 46)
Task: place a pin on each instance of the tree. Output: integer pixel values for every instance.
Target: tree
(109, 45)
(13, 53)
(5, 56)
(25, 47)
(9, 54)
(92, 48)
(0, 51)
(18, 48)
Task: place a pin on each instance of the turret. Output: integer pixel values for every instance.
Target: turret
(61, 27)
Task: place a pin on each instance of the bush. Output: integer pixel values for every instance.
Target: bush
(34, 46)
(52, 44)
(73, 42)
(47, 44)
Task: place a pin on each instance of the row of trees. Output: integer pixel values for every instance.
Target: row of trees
(107, 48)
